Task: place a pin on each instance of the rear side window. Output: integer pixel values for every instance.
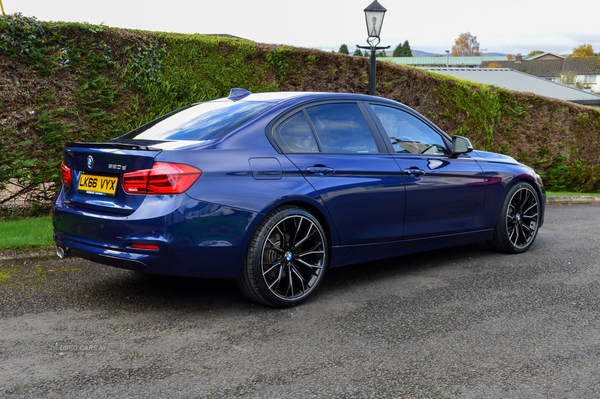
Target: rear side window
(342, 128)
(202, 121)
(295, 135)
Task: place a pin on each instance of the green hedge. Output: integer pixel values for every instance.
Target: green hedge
(66, 82)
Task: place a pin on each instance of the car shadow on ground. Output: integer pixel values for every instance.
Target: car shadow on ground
(125, 290)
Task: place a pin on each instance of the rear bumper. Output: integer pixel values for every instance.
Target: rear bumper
(194, 238)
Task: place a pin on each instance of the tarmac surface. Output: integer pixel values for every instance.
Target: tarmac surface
(464, 322)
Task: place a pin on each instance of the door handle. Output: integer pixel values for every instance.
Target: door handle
(414, 172)
(319, 170)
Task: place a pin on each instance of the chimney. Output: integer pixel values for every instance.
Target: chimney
(519, 59)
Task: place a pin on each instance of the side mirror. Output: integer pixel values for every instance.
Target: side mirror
(460, 145)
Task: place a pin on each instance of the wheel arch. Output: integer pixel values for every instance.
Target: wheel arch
(531, 180)
(495, 210)
(538, 190)
(315, 207)
(320, 215)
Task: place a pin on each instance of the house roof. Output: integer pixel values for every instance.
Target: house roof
(455, 61)
(542, 55)
(547, 68)
(515, 80)
(583, 66)
(552, 68)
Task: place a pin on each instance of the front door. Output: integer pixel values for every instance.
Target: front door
(444, 194)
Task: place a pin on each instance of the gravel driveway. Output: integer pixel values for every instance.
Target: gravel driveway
(464, 322)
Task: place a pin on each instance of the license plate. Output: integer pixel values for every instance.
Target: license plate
(98, 185)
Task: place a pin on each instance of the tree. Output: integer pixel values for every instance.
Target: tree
(535, 52)
(466, 45)
(344, 49)
(585, 50)
(358, 52)
(570, 79)
(381, 54)
(402, 50)
(494, 65)
(406, 49)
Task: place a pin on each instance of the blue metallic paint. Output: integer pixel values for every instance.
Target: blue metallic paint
(348, 194)
(506, 172)
(196, 239)
(448, 198)
(206, 231)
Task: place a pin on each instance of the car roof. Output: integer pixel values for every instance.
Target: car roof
(281, 96)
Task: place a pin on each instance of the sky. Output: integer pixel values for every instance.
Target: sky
(508, 27)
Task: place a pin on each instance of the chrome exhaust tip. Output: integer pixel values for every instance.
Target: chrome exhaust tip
(62, 252)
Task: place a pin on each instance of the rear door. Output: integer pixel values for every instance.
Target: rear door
(360, 183)
(444, 194)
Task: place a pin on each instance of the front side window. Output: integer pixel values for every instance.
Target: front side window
(408, 134)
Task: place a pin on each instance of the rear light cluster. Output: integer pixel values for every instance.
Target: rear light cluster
(65, 174)
(163, 178)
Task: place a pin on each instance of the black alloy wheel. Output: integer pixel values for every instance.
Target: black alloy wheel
(286, 260)
(518, 222)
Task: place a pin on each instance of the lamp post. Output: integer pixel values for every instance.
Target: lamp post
(447, 57)
(374, 14)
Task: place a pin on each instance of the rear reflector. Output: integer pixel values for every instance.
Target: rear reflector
(163, 179)
(65, 174)
(145, 246)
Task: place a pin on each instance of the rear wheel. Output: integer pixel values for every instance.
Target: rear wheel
(286, 259)
(518, 222)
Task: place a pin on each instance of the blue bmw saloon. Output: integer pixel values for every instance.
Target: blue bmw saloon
(272, 189)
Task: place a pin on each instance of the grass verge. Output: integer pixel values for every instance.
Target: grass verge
(568, 194)
(26, 233)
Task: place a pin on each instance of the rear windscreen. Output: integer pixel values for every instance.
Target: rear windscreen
(202, 121)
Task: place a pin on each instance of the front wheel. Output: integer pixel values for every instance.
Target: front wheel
(286, 258)
(519, 219)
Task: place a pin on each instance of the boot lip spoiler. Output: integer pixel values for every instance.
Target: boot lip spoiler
(119, 145)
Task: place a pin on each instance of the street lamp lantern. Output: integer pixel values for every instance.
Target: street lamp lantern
(374, 14)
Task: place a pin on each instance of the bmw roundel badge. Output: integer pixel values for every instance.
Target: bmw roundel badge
(90, 162)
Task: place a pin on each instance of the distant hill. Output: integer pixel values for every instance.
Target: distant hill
(419, 53)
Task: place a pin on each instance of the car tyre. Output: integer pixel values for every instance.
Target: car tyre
(286, 259)
(518, 222)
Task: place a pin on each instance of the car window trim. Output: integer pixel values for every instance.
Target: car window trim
(382, 148)
(313, 130)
